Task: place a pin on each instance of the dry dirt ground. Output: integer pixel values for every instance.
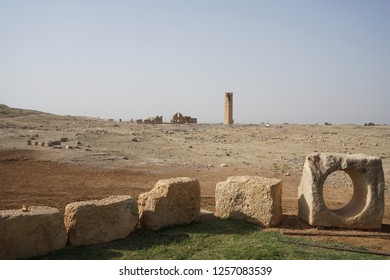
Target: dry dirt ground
(114, 158)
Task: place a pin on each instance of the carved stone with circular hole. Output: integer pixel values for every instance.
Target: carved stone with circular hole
(363, 211)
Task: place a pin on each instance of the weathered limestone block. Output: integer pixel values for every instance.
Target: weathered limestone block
(100, 221)
(51, 143)
(171, 202)
(254, 199)
(37, 231)
(365, 209)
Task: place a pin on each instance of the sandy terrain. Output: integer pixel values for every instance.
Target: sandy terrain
(114, 157)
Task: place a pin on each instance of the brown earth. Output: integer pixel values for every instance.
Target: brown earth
(121, 158)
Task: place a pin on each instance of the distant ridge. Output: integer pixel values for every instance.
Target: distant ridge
(9, 112)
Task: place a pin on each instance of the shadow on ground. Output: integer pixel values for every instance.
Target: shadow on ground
(143, 240)
(216, 239)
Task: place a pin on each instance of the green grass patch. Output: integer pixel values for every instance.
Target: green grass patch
(213, 240)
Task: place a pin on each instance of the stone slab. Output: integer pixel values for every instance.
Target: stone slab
(366, 208)
(171, 202)
(100, 221)
(33, 231)
(254, 199)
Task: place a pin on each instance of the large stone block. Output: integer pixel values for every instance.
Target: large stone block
(100, 221)
(254, 199)
(35, 231)
(365, 209)
(171, 202)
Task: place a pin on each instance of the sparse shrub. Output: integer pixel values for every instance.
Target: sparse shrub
(326, 123)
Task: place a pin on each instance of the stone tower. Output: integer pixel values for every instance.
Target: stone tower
(228, 108)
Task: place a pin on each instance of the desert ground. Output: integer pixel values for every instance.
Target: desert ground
(102, 158)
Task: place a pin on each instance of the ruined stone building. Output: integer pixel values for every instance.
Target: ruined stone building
(179, 118)
(151, 120)
(157, 120)
(154, 120)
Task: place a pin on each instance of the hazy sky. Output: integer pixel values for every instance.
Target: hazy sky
(286, 61)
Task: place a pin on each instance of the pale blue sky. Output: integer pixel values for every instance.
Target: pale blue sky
(286, 61)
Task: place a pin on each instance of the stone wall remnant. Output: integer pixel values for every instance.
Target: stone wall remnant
(156, 120)
(100, 221)
(31, 231)
(254, 199)
(151, 120)
(366, 208)
(171, 202)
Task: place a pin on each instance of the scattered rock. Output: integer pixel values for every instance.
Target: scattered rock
(53, 143)
(224, 165)
(64, 139)
(29, 142)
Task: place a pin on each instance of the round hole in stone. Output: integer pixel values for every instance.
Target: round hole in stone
(337, 190)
